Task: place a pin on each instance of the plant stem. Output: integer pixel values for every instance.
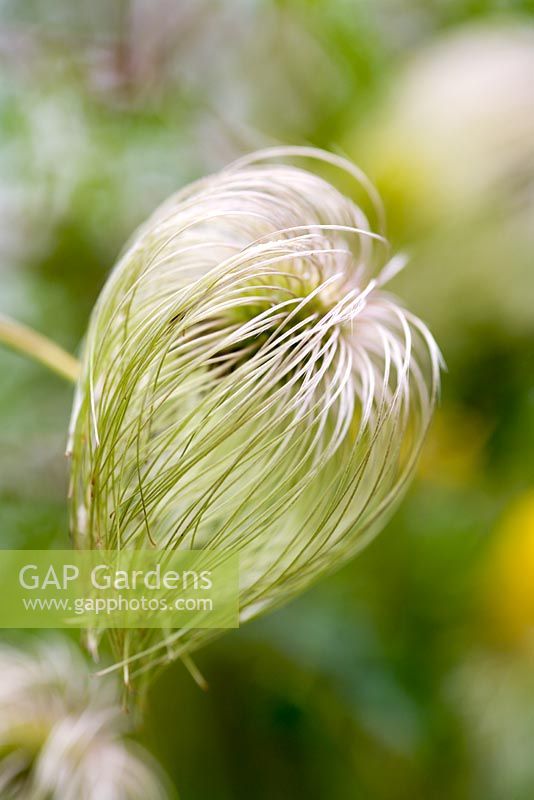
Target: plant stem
(23, 339)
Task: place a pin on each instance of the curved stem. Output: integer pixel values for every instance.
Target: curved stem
(23, 339)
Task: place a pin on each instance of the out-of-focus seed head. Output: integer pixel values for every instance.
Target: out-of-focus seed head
(455, 139)
(62, 731)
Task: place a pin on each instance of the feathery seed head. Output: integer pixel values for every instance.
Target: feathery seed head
(61, 731)
(248, 385)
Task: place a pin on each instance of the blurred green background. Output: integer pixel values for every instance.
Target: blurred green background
(410, 673)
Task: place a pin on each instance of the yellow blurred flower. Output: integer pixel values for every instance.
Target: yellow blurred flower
(508, 575)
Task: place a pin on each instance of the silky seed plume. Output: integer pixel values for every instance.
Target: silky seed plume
(248, 386)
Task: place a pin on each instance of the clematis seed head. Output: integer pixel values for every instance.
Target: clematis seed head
(63, 731)
(249, 386)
